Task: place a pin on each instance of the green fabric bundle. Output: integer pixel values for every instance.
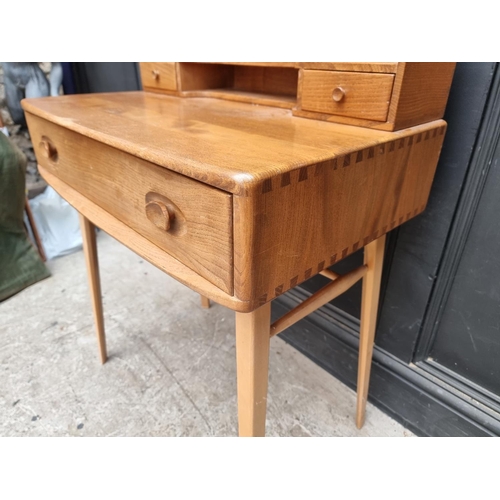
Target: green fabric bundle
(20, 264)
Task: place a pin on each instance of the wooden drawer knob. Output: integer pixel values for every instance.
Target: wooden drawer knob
(159, 214)
(338, 94)
(156, 74)
(48, 149)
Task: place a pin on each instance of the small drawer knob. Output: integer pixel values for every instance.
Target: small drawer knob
(156, 74)
(159, 214)
(338, 94)
(48, 149)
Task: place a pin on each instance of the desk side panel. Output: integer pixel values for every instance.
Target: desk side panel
(420, 93)
(297, 224)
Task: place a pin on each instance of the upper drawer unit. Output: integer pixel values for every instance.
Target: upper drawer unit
(357, 95)
(385, 96)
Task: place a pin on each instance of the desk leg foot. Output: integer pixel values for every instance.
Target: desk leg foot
(252, 363)
(90, 251)
(205, 302)
(374, 258)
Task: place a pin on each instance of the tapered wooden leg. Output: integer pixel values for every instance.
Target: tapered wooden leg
(90, 251)
(252, 362)
(374, 258)
(205, 302)
(34, 229)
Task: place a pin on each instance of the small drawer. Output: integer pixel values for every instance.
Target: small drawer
(161, 76)
(351, 94)
(184, 217)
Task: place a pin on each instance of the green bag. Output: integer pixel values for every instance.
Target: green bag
(20, 264)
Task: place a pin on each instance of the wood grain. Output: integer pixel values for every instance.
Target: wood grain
(370, 67)
(229, 94)
(252, 365)
(266, 86)
(142, 246)
(266, 80)
(257, 79)
(366, 67)
(306, 220)
(158, 75)
(346, 120)
(367, 95)
(329, 274)
(329, 292)
(309, 193)
(420, 93)
(200, 232)
(92, 262)
(34, 229)
(228, 145)
(242, 203)
(373, 259)
(203, 76)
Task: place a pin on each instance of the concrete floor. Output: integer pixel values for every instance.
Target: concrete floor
(171, 370)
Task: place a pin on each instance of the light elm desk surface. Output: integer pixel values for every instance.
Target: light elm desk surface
(239, 202)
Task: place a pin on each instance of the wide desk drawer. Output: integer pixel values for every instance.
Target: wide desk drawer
(186, 218)
(345, 93)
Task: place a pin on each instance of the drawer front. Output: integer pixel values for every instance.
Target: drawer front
(356, 95)
(186, 218)
(160, 76)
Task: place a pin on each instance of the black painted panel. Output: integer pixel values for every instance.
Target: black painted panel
(401, 393)
(106, 76)
(468, 339)
(421, 240)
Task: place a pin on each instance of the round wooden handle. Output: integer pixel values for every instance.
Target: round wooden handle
(48, 149)
(338, 94)
(159, 214)
(156, 74)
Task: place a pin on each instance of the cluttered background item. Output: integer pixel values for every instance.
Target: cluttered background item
(36, 224)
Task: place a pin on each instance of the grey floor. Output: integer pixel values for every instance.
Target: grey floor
(171, 370)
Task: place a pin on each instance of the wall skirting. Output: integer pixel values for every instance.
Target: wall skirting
(413, 394)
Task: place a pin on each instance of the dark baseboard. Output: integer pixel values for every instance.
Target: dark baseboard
(420, 400)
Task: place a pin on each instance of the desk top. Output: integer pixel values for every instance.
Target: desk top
(229, 145)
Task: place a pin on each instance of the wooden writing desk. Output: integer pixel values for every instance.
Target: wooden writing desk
(214, 175)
